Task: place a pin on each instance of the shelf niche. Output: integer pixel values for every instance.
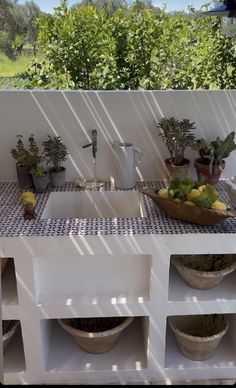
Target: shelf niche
(92, 279)
(14, 358)
(62, 354)
(179, 291)
(224, 356)
(8, 282)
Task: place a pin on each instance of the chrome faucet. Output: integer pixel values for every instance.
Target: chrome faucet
(93, 144)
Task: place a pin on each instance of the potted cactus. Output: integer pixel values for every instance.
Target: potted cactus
(211, 162)
(177, 136)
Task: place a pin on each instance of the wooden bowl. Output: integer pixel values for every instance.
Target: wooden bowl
(183, 212)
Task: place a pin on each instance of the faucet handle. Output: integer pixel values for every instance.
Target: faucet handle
(93, 143)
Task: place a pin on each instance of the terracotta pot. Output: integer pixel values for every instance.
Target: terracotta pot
(197, 337)
(203, 272)
(96, 342)
(202, 169)
(174, 171)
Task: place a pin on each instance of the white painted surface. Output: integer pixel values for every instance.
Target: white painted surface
(149, 354)
(129, 116)
(94, 204)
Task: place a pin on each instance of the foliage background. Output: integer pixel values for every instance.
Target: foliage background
(109, 45)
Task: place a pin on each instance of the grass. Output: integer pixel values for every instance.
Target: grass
(10, 68)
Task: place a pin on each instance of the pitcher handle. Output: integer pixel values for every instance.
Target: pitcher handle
(138, 156)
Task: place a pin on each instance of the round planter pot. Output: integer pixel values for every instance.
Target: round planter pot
(57, 178)
(197, 337)
(41, 182)
(7, 337)
(174, 171)
(202, 170)
(24, 177)
(203, 272)
(96, 342)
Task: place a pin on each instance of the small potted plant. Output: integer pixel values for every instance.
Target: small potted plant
(23, 164)
(177, 136)
(211, 162)
(55, 152)
(39, 173)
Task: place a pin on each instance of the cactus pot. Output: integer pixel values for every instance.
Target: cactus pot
(202, 170)
(41, 182)
(197, 336)
(203, 272)
(96, 342)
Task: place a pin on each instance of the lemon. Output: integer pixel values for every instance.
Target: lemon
(30, 200)
(27, 194)
(194, 193)
(163, 193)
(190, 203)
(218, 205)
(201, 188)
(177, 200)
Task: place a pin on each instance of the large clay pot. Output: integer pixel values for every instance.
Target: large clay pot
(202, 169)
(197, 336)
(203, 272)
(96, 342)
(174, 171)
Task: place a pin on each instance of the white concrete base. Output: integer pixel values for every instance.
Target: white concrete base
(127, 276)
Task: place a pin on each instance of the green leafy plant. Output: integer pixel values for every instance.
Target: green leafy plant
(177, 136)
(216, 151)
(21, 154)
(55, 151)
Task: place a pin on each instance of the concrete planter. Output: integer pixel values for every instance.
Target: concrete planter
(197, 337)
(57, 178)
(203, 272)
(96, 342)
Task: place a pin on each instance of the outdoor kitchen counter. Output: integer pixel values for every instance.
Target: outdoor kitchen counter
(12, 223)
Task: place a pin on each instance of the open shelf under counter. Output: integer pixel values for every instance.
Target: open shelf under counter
(14, 359)
(223, 358)
(9, 288)
(62, 354)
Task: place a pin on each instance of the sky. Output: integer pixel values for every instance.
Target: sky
(172, 5)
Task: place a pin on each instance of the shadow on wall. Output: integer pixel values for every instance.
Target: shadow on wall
(124, 116)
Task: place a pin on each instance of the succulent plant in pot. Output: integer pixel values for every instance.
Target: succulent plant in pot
(55, 152)
(39, 173)
(212, 154)
(23, 164)
(177, 136)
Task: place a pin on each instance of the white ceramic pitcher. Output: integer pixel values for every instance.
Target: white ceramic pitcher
(126, 158)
